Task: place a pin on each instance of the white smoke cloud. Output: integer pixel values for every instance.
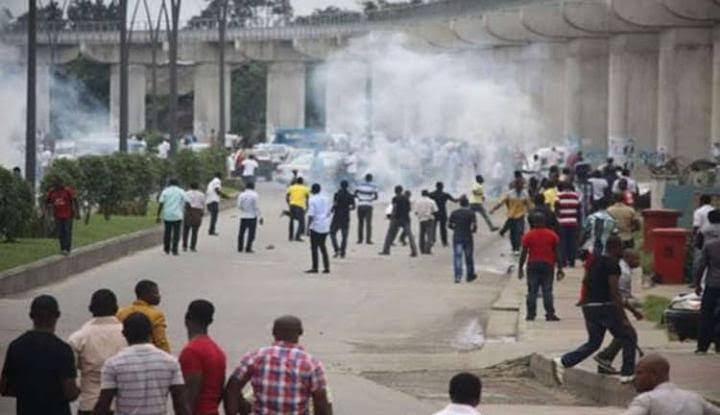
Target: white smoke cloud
(12, 115)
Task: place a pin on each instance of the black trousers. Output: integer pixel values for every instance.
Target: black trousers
(615, 347)
(709, 319)
(427, 236)
(364, 214)
(213, 208)
(344, 228)
(249, 226)
(441, 221)
(172, 236)
(395, 227)
(317, 243)
(296, 214)
(192, 231)
(64, 230)
(540, 276)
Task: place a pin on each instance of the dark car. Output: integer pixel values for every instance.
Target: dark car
(682, 317)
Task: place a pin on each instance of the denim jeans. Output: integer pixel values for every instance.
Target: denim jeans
(517, 229)
(441, 222)
(213, 208)
(344, 228)
(191, 231)
(460, 249)
(395, 227)
(317, 243)
(171, 238)
(297, 213)
(709, 319)
(427, 236)
(248, 225)
(599, 319)
(540, 275)
(64, 230)
(568, 244)
(480, 209)
(364, 213)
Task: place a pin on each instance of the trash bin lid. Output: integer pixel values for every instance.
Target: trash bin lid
(677, 232)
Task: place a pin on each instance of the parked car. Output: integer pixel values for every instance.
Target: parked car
(332, 162)
(682, 317)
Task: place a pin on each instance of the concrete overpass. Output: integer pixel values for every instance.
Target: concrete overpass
(598, 71)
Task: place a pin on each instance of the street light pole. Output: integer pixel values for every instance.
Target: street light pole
(30, 121)
(123, 77)
(221, 29)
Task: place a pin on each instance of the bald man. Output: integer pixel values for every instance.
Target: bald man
(284, 377)
(658, 396)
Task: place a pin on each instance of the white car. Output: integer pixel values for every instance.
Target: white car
(332, 162)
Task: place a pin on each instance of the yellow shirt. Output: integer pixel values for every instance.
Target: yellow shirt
(477, 196)
(518, 204)
(298, 195)
(551, 196)
(157, 319)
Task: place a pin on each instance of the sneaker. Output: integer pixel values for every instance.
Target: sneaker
(471, 278)
(627, 379)
(326, 271)
(558, 370)
(413, 255)
(311, 271)
(457, 280)
(604, 371)
(249, 251)
(552, 318)
(336, 254)
(604, 364)
(529, 318)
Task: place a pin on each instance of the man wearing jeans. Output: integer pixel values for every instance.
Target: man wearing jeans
(477, 201)
(425, 209)
(297, 199)
(541, 249)
(603, 311)
(247, 202)
(172, 206)
(399, 219)
(709, 320)
(366, 193)
(213, 195)
(517, 201)
(319, 225)
(63, 202)
(463, 223)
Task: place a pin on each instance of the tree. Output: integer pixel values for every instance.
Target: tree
(247, 13)
(248, 98)
(319, 16)
(92, 11)
(16, 206)
(51, 12)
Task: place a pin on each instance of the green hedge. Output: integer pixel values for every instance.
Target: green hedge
(16, 206)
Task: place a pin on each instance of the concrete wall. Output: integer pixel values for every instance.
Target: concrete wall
(285, 95)
(206, 99)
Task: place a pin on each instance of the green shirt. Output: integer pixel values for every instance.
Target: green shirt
(173, 200)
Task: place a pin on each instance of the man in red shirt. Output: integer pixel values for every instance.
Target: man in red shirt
(62, 201)
(202, 361)
(541, 249)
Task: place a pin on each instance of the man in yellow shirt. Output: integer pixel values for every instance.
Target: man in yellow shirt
(518, 203)
(297, 198)
(148, 297)
(477, 201)
(551, 194)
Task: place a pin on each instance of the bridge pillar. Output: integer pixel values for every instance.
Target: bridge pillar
(42, 93)
(206, 100)
(544, 83)
(136, 98)
(285, 96)
(632, 112)
(684, 99)
(715, 126)
(586, 95)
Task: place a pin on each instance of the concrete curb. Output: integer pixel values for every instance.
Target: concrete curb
(605, 390)
(504, 319)
(57, 267)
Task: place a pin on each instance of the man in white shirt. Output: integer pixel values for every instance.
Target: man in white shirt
(212, 200)
(425, 209)
(599, 188)
(163, 149)
(658, 396)
(700, 220)
(194, 210)
(248, 203)
(96, 341)
(465, 391)
(319, 212)
(249, 165)
(631, 183)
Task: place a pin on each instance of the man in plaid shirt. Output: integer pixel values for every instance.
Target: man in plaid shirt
(283, 377)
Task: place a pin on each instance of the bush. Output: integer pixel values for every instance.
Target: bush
(16, 206)
(95, 187)
(213, 161)
(188, 167)
(67, 170)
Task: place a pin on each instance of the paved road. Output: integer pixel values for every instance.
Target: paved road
(372, 313)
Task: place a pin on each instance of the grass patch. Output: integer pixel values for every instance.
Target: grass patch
(654, 306)
(27, 250)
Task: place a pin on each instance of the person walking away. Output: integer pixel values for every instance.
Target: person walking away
(477, 201)
(248, 202)
(343, 203)
(148, 298)
(550, 194)
(403, 236)
(62, 201)
(464, 224)
(172, 207)
(39, 369)
(540, 206)
(249, 165)
(399, 220)
(603, 311)
(366, 193)
(600, 189)
(297, 199)
(709, 319)
(627, 221)
(604, 359)
(202, 361)
(465, 394)
(140, 377)
(97, 340)
(284, 377)
(567, 209)
(194, 210)
(541, 250)
(700, 218)
(628, 197)
(517, 202)
(213, 194)
(659, 396)
(441, 198)
(425, 209)
(319, 227)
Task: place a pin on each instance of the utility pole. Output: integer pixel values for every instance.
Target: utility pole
(123, 77)
(30, 121)
(173, 52)
(221, 44)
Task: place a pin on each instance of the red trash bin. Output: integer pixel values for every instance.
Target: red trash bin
(657, 218)
(669, 250)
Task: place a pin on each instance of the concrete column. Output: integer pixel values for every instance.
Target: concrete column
(206, 100)
(586, 95)
(285, 96)
(345, 96)
(545, 84)
(42, 93)
(684, 99)
(715, 125)
(136, 98)
(632, 111)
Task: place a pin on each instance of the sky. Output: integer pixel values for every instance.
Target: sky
(190, 8)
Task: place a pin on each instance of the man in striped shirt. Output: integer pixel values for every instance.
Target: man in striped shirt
(366, 193)
(567, 209)
(140, 377)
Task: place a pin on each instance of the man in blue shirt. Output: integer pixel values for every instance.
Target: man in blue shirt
(172, 207)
